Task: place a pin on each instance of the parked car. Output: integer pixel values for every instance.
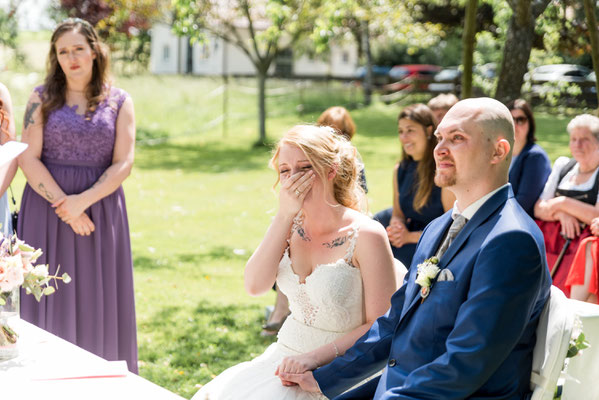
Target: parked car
(449, 80)
(558, 74)
(413, 76)
(380, 74)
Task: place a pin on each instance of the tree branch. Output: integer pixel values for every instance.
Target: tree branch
(246, 9)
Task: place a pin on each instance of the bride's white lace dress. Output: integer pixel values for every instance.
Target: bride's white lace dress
(327, 306)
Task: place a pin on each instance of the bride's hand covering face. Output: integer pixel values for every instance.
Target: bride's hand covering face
(297, 178)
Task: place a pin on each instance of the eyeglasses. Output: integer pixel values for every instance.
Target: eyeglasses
(520, 120)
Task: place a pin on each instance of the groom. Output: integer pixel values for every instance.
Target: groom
(467, 328)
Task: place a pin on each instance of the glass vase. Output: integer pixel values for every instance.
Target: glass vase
(9, 311)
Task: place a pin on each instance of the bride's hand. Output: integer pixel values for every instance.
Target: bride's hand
(296, 365)
(305, 381)
(294, 190)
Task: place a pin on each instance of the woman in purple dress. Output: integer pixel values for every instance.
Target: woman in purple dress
(81, 136)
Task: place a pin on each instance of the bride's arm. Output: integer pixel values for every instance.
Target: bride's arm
(261, 269)
(373, 257)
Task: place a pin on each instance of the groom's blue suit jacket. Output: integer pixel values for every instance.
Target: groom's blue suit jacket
(471, 337)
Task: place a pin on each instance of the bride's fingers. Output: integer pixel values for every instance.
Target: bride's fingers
(297, 185)
(303, 188)
(287, 183)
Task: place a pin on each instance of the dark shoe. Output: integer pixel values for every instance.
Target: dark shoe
(272, 328)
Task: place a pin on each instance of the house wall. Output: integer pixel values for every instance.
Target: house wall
(168, 52)
(169, 56)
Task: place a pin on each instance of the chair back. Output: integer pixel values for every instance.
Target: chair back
(553, 338)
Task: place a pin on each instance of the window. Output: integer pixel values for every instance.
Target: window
(166, 53)
(345, 57)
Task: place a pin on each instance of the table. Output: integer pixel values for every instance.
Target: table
(49, 367)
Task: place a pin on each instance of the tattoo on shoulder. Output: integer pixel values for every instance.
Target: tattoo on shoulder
(45, 192)
(302, 234)
(340, 241)
(29, 114)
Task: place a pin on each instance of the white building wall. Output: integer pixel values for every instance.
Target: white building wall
(344, 60)
(169, 56)
(164, 50)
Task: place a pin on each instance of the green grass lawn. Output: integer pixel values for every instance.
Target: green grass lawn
(200, 202)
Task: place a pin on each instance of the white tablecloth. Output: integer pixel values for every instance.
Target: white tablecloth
(51, 368)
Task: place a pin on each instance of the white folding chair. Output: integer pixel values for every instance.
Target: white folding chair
(553, 338)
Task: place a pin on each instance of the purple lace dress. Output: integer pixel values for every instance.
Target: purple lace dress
(96, 311)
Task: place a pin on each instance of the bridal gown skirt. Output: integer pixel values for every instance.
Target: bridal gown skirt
(256, 379)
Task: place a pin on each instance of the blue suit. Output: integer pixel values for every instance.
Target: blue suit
(471, 337)
(528, 175)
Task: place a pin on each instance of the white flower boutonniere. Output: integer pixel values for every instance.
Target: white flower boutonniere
(427, 271)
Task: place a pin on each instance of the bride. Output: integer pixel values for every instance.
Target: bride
(333, 263)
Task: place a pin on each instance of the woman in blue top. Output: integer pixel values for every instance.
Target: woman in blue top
(530, 166)
(416, 199)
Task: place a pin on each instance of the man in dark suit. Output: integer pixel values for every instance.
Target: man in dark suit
(463, 324)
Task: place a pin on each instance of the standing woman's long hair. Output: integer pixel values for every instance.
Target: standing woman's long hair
(55, 85)
(425, 171)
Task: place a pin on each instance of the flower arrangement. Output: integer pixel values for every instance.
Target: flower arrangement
(17, 270)
(427, 272)
(576, 345)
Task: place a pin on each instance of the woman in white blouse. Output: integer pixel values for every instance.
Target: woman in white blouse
(569, 201)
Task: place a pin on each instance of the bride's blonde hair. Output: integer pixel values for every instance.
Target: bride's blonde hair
(327, 151)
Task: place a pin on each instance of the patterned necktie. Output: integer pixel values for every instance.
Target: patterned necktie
(454, 229)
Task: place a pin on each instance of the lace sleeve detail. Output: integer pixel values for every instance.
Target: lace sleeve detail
(349, 253)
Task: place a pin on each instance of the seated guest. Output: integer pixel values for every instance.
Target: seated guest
(339, 119)
(440, 104)
(463, 326)
(583, 279)
(332, 261)
(569, 201)
(530, 165)
(416, 198)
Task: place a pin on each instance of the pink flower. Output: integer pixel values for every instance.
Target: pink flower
(11, 273)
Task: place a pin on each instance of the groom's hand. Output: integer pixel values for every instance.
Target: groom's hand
(305, 380)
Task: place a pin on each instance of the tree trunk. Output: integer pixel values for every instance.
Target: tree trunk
(516, 53)
(589, 9)
(468, 40)
(368, 54)
(261, 72)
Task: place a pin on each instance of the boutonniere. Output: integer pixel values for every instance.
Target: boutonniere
(427, 271)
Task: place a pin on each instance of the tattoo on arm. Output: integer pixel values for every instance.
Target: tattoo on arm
(29, 114)
(101, 179)
(45, 191)
(340, 241)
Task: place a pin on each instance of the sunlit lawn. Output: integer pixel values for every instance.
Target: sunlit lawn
(199, 204)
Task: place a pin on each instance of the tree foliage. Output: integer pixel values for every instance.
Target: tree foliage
(8, 25)
(123, 24)
(261, 29)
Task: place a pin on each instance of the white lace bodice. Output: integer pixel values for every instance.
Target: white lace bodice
(328, 305)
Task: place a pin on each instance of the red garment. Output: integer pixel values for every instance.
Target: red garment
(577, 271)
(554, 243)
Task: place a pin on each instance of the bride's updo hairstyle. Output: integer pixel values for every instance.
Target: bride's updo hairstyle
(326, 150)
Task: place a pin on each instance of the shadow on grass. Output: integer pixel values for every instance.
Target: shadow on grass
(212, 157)
(226, 253)
(213, 336)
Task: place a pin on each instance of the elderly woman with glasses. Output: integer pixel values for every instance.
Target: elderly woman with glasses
(569, 201)
(530, 166)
